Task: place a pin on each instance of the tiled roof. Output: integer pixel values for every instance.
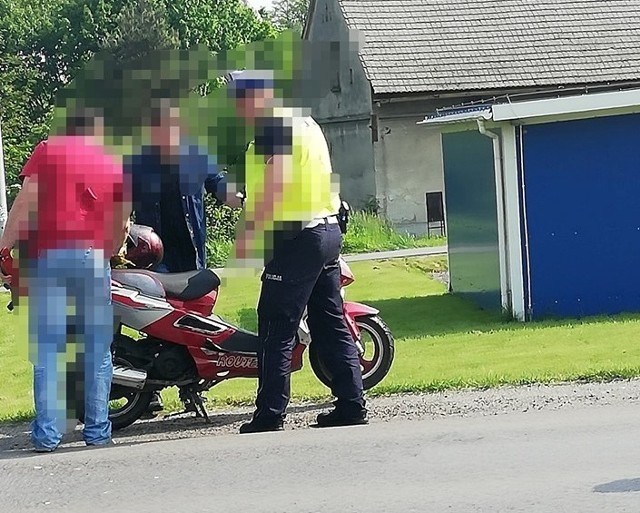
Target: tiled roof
(463, 45)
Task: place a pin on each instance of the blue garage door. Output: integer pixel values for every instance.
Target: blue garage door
(582, 190)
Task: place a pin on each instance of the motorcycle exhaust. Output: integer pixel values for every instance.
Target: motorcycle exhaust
(128, 377)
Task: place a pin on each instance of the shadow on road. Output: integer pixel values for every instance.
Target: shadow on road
(620, 486)
(15, 439)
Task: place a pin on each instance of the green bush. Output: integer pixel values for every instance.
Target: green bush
(221, 226)
(369, 232)
(221, 221)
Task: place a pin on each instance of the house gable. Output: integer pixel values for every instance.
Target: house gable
(348, 92)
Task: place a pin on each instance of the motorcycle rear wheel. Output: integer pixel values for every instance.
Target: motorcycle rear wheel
(375, 369)
(137, 403)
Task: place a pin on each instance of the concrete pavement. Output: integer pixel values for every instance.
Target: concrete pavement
(582, 460)
(383, 255)
(400, 253)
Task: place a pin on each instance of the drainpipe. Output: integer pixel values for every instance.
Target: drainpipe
(501, 210)
(483, 130)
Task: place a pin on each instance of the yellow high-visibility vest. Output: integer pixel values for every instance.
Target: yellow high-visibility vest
(312, 190)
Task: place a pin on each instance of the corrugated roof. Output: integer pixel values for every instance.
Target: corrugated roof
(462, 45)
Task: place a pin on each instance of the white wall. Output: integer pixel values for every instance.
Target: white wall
(408, 164)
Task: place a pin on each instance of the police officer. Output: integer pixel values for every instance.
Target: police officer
(290, 222)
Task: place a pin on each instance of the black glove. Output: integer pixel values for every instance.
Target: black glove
(343, 216)
(10, 305)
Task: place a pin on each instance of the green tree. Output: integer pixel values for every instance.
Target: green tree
(290, 14)
(44, 44)
(21, 130)
(218, 24)
(63, 38)
(141, 27)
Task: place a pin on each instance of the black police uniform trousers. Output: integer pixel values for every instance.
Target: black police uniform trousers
(304, 271)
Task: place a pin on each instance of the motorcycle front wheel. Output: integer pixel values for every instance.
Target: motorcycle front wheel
(376, 360)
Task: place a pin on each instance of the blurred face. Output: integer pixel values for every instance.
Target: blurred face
(165, 130)
(253, 104)
(88, 124)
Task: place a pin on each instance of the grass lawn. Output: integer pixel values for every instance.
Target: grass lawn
(441, 342)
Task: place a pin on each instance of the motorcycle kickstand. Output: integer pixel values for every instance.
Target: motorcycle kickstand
(199, 407)
(188, 408)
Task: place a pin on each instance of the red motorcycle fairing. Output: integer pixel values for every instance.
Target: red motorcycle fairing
(353, 311)
(217, 365)
(203, 306)
(218, 349)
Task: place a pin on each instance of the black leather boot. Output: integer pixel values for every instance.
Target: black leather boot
(338, 417)
(260, 425)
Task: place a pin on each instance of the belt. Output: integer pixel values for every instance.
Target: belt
(324, 220)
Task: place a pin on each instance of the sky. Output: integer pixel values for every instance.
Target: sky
(256, 4)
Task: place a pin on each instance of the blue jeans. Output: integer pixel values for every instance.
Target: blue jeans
(58, 280)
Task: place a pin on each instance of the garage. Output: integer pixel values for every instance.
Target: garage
(559, 203)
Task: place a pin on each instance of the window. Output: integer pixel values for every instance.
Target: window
(327, 16)
(334, 56)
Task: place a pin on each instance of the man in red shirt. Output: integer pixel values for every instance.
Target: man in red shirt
(67, 221)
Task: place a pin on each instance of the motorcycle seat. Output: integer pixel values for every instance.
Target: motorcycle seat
(188, 285)
(140, 280)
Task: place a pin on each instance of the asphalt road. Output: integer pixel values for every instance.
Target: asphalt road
(571, 460)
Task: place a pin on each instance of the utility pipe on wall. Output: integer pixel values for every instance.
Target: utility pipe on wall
(502, 219)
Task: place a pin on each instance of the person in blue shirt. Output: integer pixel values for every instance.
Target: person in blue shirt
(168, 180)
(168, 195)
